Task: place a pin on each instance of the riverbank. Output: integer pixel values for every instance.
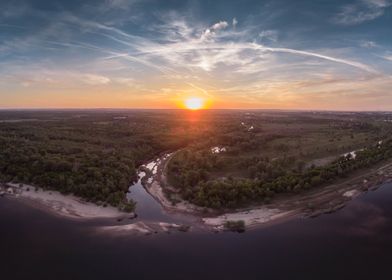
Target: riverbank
(68, 206)
(144, 228)
(75, 208)
(312, 203)
(155, 179)
(308, 204)
(155, 183)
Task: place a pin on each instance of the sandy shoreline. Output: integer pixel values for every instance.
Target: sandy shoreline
(208, 218)
(68, 206)
(315, 202)
(72, 207)
(251, 218)
(144, 228)
(312, 203)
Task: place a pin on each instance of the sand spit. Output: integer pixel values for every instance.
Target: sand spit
(144, 228)
(352, 193)
(65, 205)
(136, 228)
(251, 218)
(70, 206)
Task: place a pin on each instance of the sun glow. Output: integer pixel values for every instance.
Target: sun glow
(194, 103)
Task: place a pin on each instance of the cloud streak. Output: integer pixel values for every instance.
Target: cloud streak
(178, 53)
(361, 11)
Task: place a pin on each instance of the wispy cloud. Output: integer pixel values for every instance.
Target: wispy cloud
(92, 79)
(361, 11)
(210, 32)
(14, 10)
(234, 22)
(269, 35)
(368, 44)
(387, 57)
(174, 53)
(186, 50)
(180, 48)
(326, 57)
(119, 4)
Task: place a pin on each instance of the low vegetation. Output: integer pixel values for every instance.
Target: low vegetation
(236, 226)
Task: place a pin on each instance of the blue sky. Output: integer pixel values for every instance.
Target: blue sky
(236, 54)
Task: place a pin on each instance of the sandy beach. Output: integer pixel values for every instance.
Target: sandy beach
(251, 218)
(307, 204)
(144, 228)
(68, 206)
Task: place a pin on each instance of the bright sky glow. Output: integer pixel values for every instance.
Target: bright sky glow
(194, 103)
(283, 54)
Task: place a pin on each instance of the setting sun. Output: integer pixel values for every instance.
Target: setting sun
(194, 103)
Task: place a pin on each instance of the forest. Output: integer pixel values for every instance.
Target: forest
(269, 154)
(223, 158)
(92, 154)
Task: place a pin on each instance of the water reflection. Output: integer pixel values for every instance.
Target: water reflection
(353, 243)
(147, 208)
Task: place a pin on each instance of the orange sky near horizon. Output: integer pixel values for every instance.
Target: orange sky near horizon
(157, 54)
(104, 98)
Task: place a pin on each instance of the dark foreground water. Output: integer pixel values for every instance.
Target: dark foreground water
(354, 243)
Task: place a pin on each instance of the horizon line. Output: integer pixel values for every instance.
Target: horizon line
(182, 109)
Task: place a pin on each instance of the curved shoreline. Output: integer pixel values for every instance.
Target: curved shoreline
(111, 220)
(68, 206)
(312, 203)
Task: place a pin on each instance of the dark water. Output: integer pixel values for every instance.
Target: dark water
(354, 243)
(148, 209)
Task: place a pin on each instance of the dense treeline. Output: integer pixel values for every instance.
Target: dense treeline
(94, 154)
(272, 177)
(91, 154)
(189, 167)
(265, 154)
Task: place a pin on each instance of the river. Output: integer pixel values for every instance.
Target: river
(149, 209)
(353, 243)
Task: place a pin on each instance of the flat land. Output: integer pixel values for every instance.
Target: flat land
(223, 162)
